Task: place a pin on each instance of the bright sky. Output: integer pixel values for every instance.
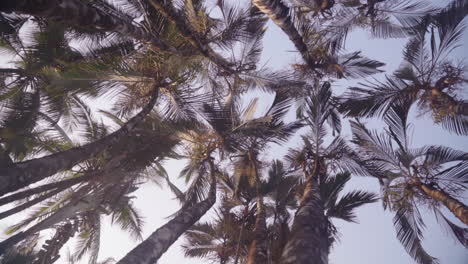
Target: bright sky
(371, 241)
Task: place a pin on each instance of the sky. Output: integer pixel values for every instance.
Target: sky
(373, 239)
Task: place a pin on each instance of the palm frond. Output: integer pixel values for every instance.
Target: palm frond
(374, 99)
(129, 220)
(458, 233)
(408, 227)
(343, 209)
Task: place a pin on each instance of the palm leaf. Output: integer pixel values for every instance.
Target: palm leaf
(343, 209)
(409, 233)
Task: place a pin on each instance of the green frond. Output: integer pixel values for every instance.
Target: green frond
(127, 217)
(344, 207)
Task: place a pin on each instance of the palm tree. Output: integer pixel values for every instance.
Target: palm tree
(309, 240)
(111, 177)
(97, 16)
(427, 77)
(21, 174)
(227, 238)
(432, 176)
(192, 23)
(160, 240)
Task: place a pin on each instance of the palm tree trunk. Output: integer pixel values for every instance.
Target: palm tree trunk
(258, 248)
(81, 14)
(150, 250)
(279, 13)
(20, 175)
(308, 240)
(459, 209)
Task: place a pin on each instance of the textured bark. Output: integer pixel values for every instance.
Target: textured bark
(82, 14)
(279, 13)
(66, 212)
(258, 249)
(171, 14)
(459, 209)
(20, 175)
(150, 250)
(308, 241)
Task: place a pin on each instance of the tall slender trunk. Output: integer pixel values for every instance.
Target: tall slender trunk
(279, 13)
(258, 249)
(150, 250)
(66, 212)
(308, 241)
(20, 175)
(82, 14)
(459, 209)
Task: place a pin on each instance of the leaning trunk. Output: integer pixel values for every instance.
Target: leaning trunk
(20, 175)
(280, 15)
(258, 248)
(308, 240)
(459, 209)
(150, 250)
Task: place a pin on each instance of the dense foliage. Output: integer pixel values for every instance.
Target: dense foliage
(176, 77)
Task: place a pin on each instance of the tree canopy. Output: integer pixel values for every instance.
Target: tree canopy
(98, 97)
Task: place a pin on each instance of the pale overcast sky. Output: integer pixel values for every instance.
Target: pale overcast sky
(371, 241)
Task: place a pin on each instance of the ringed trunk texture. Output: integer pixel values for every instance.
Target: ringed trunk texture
(150, 250)
(258, 249)
(279, 13)
(21, 174)
(308, 240)
(459, 209)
